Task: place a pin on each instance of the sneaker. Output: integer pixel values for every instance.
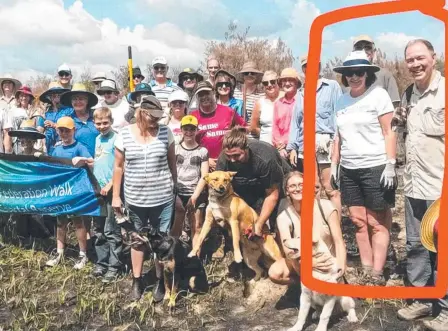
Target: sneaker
(110, 276)
(415, 311)
(81, 262)
(440, 323)
(54, 260)
(137, 289)
(158, 292)
(98, 271)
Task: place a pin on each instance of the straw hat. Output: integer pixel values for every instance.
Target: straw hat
(16, 82)
(27, 130)
(25, 90)
(226, 73)
(363, 37)
(54, 87)
(250, 66)
(79, 88)
(356, 59)
(429, 227)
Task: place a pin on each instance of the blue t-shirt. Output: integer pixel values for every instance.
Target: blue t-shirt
(70, 151)
(86, 132)
(104, 158)
(50, 133)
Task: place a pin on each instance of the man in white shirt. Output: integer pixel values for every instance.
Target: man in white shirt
(424, 118)
(119, 106)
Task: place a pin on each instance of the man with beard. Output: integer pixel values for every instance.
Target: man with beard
(423, 115)
(260, 172)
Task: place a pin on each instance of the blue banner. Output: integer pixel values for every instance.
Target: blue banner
(47, 186)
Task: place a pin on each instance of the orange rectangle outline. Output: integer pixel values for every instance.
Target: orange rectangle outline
(434, 9)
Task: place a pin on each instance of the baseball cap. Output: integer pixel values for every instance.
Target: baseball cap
(178, 95)
(159, 60)
(152, 105)
(65, 122)
(362, 37)
(189, 120)
(64, 68)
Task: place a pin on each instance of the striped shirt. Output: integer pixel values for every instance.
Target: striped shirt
(147, 176)
(250, 101)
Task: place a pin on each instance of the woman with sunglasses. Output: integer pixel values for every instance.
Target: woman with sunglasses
(364, 148)
(261, 124)
(177, 102)
(188, 80)
(225, 84)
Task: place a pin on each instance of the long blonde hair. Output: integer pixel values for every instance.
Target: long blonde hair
(141, 121)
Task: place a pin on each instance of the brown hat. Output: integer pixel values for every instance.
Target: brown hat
(203, 86)
(152, 105)
(226, 73)
(250, 66)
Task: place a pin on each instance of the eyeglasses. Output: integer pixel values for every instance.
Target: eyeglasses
(223, 85)
(270, 82)
(159, 68)
(249, 74)
(178, 103)
(359, 73)
(295, 186)
(64, 74)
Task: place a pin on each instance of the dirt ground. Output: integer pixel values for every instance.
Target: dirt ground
(34, 298)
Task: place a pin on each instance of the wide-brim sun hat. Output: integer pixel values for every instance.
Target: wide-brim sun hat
(356, 59)
(429, 226)
(27, 130)
(54, 87)
(152, 105)
(79, 88)
(223, 72)
(16, 82)
(250, 66)
(107, 85)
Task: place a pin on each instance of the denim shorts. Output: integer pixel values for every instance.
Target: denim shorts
(158, 217)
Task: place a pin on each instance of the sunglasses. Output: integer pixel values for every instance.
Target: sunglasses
(272, 82)
(138, 77)
(108, 92)
(178, 103)
(358, 73)
(249, 74)
(159, 68)
(223, 85)
(190, 77)
(366, 47)
(64, 74)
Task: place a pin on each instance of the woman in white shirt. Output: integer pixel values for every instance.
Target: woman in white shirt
(364, 148)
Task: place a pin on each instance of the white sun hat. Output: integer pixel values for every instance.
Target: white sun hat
(178, 95)
(356, 59)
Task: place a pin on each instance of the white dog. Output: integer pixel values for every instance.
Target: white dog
(319, 301)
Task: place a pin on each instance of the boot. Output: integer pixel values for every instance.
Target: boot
(158, 292)
(415, 311)
(137, 288)
(440, 323)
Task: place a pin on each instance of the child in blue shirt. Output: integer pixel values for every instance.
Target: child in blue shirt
(69, 148)
(108, 242)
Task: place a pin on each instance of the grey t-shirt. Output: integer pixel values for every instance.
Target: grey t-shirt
(386, 80)
(189, 163)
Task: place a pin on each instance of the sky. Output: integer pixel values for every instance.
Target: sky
(40, 35)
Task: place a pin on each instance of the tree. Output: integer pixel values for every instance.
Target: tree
(237, 48)
(86, 79)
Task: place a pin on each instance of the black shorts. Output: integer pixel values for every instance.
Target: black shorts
(201, 203)
(361, 187)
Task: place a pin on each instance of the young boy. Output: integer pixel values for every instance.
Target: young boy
(107, 232)
(192, 166)
(69, 148)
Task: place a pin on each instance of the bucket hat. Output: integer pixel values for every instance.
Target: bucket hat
(250, 66)
(99, 77)
(356, 59)
(106, 86)
(429, 227)
(187, 72)
(25, 90)
(54, 87)
(79, 88)
(16, 82)
(140, 89)
(223, 72)
(27, 130)
(152, 105)
(137, 72)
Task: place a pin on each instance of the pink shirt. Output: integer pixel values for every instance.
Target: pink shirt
(213, 127)
(281, 122)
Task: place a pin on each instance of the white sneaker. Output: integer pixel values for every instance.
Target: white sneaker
(81, 262)
(54, 260)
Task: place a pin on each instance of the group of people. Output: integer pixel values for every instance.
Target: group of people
(151, 148)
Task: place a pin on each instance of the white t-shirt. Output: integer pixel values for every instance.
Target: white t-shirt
(5, 123)
(362, 140)
(118, 109)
